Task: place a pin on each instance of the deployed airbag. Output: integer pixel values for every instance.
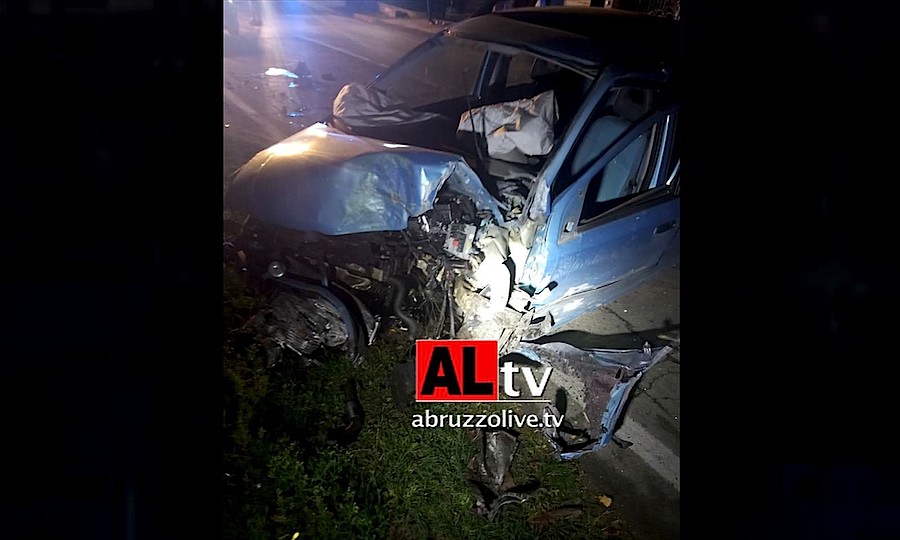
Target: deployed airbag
(361, 106)
(515, 130)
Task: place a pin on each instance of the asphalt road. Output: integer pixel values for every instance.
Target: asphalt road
(327, 50)
(333, 49)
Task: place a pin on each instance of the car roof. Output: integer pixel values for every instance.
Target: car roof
(586, 38)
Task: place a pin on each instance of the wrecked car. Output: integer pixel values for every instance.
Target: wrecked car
(521, 167)
(510, 174)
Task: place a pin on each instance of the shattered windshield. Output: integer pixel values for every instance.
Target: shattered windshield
(444, 69)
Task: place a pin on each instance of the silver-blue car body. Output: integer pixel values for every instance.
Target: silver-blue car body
(516, 244)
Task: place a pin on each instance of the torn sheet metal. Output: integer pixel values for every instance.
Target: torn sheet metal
(594, 384)
(489, 470)
(326, 181)
(361, 106)
(517, 129)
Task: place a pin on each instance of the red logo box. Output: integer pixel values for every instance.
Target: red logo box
(454, 370)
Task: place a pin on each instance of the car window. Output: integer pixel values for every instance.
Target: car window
(621, 109)
(445, 68)
(631, 171)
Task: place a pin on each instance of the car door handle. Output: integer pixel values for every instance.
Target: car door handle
(664, 227)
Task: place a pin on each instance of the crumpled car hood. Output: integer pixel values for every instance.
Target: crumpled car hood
(327, 181)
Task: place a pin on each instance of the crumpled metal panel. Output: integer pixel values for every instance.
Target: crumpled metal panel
(326, 181)
(599, 380)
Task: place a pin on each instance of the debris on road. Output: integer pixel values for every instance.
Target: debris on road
(322, 324)
(281, 72)
(293, 113)
(489, 471)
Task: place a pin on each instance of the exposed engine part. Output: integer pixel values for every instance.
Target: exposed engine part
(400, 291)
(459, 240)
(513, 195)
(409, 274)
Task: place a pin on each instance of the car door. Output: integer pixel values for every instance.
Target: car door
(615, 208)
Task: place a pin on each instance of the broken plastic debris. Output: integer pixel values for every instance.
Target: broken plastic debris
(488, 471)
(605, 501)
(281, 72)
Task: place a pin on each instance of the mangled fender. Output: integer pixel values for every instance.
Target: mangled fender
(597, 381)
(326, 181)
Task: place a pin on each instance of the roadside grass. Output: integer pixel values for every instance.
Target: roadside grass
(394, 481)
